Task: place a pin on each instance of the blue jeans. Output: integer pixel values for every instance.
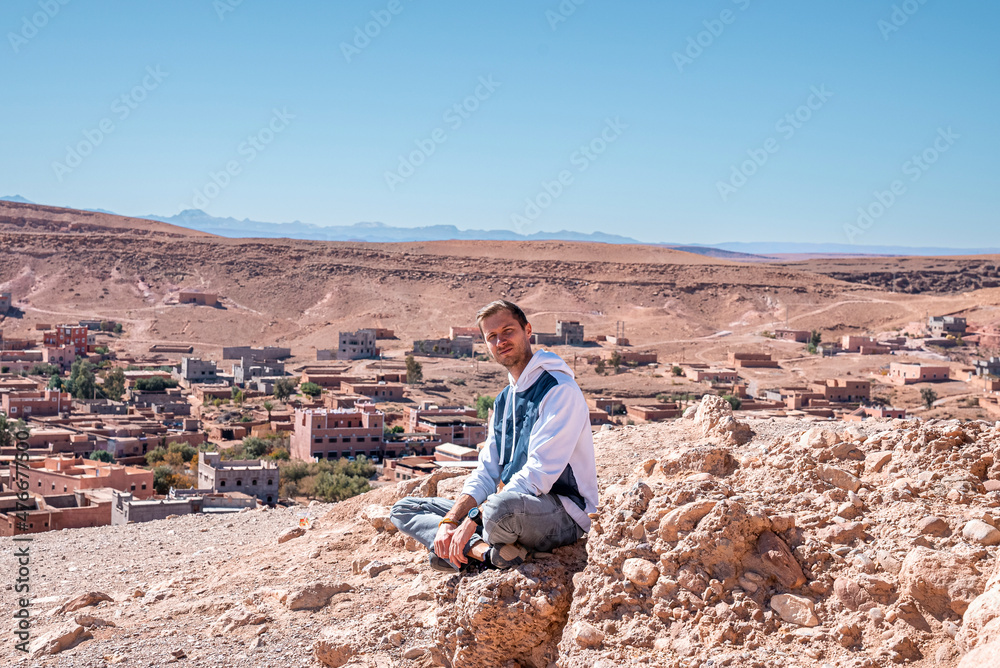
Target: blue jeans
(538, 523)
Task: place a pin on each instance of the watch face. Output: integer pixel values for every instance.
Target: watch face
(475, 515)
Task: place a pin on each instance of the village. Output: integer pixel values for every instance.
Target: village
(104, 435)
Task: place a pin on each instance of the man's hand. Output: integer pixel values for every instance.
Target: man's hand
(459, 537)
(442, 541)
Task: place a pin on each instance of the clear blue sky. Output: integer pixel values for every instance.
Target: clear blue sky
(677, 127)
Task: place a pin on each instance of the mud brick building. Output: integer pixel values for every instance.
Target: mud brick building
(851, 390)
(751, 361)
(902, 373)
(253, 477)
(66, 475)
(23, 404)
(67, 335)
(198, 297)
(330, 434)
(356, 345)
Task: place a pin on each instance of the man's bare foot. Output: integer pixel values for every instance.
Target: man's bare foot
(479, 550)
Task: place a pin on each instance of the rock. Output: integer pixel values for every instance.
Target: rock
(940, 580)
(89, 621)
(889, 563)
(773, 558)
(843, 533)
(315, 595)
(414, 652)
(358, 565)
(294, 532)
(933, 526)
(587, 635)
(333, 651)
(84, 600)
(794, 609)
(62, 637)
(374, 568)
(641, 572)
(715, 418)
(902, 649)
(984, 656)
(875, 461)
(838, 478)
(690, 412)
(235, 618)
(818, 437)
(378, 517)
(684, 518)
(705, 459)
(850, 593)
(981, 621)
(981, 532)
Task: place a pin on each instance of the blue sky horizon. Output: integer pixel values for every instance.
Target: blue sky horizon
(868, 123)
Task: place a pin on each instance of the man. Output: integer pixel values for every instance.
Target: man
(536, 482)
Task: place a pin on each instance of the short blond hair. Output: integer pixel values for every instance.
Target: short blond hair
(495, 307)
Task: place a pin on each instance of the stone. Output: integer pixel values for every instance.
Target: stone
(84, 600)
(773, 558)
(414, 652)
(641, 572)
(294, 532)
(902, 649)
(984, 656)
(89, 621)
(378, 517)
(838, 477)
(794, 609)
(818, 437)
(889, 563)
(850, 593)
(684, 518)
(940, 580)
(587, 635)
(315, 595)
(842, 533)
(374, 568)
(875, 461)
(715, 418)
(333, 653)
(706, 460)
(981, 532)
(59, 639)
(933, 526)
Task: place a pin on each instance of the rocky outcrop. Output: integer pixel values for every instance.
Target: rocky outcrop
(715, 419)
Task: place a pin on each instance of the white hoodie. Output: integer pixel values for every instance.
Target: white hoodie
(560, 437)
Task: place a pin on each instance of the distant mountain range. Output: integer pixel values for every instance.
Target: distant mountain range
(197, 219)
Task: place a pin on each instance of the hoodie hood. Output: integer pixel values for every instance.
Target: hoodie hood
(542, 360)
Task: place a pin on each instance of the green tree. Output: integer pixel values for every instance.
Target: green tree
(268, 406)
(928, 396)
(676, 370)
(118, 328)
(163, 478)
(185, 450)
(82, 379)
(735, 402)
(155, 455)
(7, 430)
(414, 370)
(114, 384)
(312, 389)
(484, 405)
(283, 388)
(254, 447)
(102, 456)
(600, 367)
(155, 384)
(43, 370)
(815, 338)
(55, 382)
(616, 360)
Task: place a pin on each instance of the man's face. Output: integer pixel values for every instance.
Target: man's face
(508, 342)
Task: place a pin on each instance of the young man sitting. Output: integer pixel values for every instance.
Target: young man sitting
(536, 482)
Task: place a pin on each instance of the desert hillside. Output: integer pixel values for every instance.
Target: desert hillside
(61, 265)
(717, 543)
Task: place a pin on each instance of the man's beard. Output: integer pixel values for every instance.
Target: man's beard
(511, 361)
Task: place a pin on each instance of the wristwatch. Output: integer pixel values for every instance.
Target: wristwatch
(476, 516)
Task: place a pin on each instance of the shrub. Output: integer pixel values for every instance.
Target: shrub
(155, 384)
(676, 370)
(312, 389)
(101, 456)
(483, 406)
(155, 455)
(733, 401)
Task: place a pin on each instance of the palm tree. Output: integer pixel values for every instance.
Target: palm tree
(268, 406)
